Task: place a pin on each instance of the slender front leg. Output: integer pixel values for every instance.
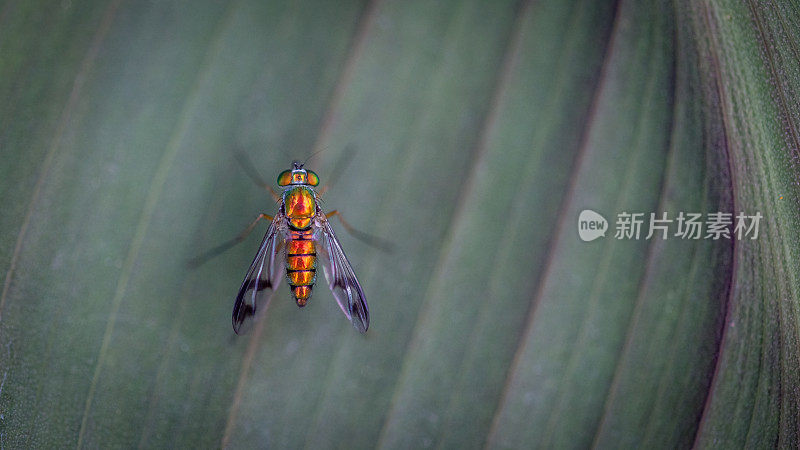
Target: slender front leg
(369, 239)
(341, 164)
(247, 166)
(202, 259)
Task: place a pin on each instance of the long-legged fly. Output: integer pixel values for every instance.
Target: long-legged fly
(299, 236)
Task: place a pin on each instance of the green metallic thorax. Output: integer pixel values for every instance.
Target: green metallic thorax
(300, 206)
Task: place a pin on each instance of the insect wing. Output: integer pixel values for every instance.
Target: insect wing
(263, 277)
(340, 276)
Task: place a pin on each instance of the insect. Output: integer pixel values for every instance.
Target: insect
(298, 238)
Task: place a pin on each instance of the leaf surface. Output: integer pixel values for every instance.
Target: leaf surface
(480, 131)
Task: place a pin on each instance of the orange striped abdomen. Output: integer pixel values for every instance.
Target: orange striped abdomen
(301, 263)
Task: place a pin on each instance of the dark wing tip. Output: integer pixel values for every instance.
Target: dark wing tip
(240, 314)
(360, 317)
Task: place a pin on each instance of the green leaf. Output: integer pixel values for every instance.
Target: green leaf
(481, 130)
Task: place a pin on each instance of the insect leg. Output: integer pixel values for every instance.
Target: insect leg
(369, 239)
(247, 166)
(202, 259)
(345, 159)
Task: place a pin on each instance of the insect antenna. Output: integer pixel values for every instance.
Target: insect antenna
(315, 154)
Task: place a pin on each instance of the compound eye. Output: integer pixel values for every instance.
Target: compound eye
(285, 178)
(313, 179)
